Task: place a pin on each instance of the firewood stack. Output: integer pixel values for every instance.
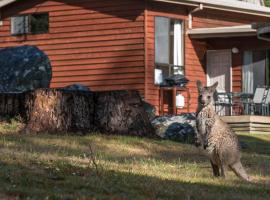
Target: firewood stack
(62, 111)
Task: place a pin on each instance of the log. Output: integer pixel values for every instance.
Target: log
(122, 112)
(58, 111)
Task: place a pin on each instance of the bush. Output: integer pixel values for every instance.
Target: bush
(267, 3)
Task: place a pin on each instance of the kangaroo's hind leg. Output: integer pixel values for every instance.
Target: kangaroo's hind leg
(215, 169)
(223, 170)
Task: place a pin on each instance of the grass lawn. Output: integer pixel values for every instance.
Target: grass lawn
(120, 167)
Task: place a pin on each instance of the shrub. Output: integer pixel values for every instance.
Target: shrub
(267, 3)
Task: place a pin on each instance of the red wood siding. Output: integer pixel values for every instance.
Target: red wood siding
(208, 18)
(195, 50)
(237, 72)
(98, 43)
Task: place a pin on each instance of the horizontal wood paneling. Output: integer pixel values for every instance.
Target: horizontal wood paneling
(98, 43)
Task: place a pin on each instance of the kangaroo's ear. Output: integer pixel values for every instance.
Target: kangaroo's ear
(199, 85)
(214, 87)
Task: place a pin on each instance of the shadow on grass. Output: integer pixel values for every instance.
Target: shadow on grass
(69, 182)
(255, 145)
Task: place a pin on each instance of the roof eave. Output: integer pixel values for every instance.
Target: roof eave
(221, 35)
(239, 7)
(232, 31)
(6, 2)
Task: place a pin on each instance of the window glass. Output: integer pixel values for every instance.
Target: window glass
(255, 70)
(162, 28)
(39, 23)
(19, 25)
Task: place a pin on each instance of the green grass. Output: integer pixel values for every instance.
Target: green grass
(121, 167)
(267, 3)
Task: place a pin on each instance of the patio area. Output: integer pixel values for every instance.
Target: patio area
(245, 112)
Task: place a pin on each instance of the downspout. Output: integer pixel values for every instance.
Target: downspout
(190, 17)
(1, 20)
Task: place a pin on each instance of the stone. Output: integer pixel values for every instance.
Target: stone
(180, 128)
(24, 68)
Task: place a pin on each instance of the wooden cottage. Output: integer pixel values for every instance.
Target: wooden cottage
(134, 44)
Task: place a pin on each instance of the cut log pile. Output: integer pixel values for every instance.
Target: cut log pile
(62, 111)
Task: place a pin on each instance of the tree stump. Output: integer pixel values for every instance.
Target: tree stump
(11, 104)
(122, 112)
(52, 110)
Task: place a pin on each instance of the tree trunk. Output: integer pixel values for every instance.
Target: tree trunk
(122, 112)
(51, 110)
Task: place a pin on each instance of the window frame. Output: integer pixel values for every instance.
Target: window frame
(171, 52)
(28, 29)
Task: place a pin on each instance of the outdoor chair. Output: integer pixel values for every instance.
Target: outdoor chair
(237, 99)
(245, 100)
(265, 105)
(230, 103)
(223, 103)
(256, 105)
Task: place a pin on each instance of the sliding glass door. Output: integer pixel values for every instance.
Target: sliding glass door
(255, 70)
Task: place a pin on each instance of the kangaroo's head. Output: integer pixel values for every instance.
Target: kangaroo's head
(206, 94)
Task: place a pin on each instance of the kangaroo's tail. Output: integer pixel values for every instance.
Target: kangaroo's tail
(239, 170)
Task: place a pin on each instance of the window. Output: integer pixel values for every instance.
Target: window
(168, 48)
(255, 70)
(37, 23)
(19, 25)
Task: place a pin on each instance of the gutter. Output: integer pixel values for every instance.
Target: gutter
(263, 31)
(223, 5)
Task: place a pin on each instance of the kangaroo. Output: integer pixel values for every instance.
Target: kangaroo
(216, 137)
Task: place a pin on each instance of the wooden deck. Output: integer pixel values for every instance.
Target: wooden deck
(248, 123)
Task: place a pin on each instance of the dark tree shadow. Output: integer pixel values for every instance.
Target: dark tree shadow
(135, 7)
(69, 182)
(255, 145)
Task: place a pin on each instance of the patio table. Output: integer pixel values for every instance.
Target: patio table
(238, 102)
